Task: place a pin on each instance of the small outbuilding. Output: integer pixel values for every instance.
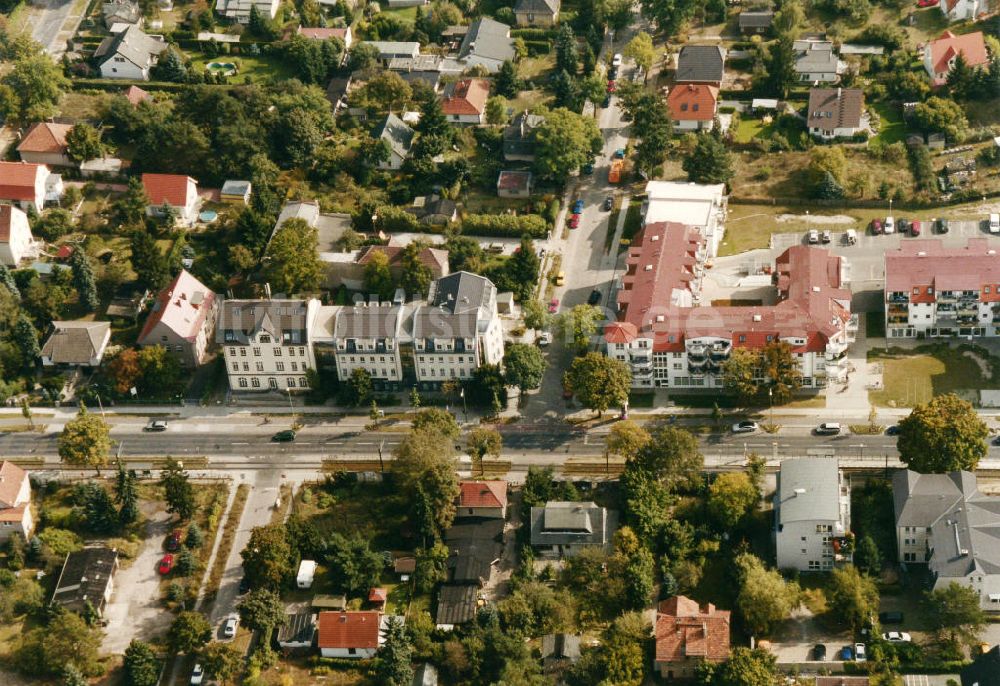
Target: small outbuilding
(307, 572)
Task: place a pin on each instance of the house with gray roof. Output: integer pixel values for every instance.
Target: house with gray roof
(399, 136)
(943, 520)
(701, 64)
(816, 62)
(812, 514)
(537, 12)
(756, 23)
(129, 54)
(563, 529)
(370, 335)
(390, 50)
(984, 670)
(519, 137)
(76, 344)
(488, 43)
(87, 580)
(121, 12)
(457, 330)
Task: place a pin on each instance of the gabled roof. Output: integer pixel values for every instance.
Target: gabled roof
(532, 6)
(7, 214)
(434, 258)
(85, 577)
(44, 137)
(397, 134)
(815, 57)
(755, 20)
(135, 95)
(686, 631)
(920, 500)
(168, 188)
(701, 63)
(519, 136)
(133, 44)
(348, 630)
(467, 97)
(368, 321)
(835, 108)
(693, 101)
(285, 320)
(183, 306)
(12, 478)
(928, 263)
(17, 180)
(456, 604)
(76, 342)
(488, 38)
(948, 46)
(482, 494)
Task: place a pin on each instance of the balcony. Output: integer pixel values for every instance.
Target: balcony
(835, 348)
(642, 364)
(852, 324)
(898, 320)
(899, 298)
(642, 373)
(697, 349)
(697, 364)
(640, 354)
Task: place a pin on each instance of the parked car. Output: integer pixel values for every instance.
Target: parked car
(893, 617)
(896, 637)
(859, 652)
(850, 236)
(826, 237)
(812, 236)
(902, 225)
(613, 74)
(877, 228)
(606, 104)
(942, 226)
(819, 652)
(745, 427)
(285, 436)
(847, 653)
(915, 228)
(197, 675)
(554, 305)
(994, 223)
(996, 441)
(574, 221)
(609, 202)
(174, 540)
(616, 61)
(588, 168)
(612, 86)
(892, 430)
(828, 429)
(619, 154)
(156, 425)
(560, 278)
(927, 3)
(889, 226)
(578, 207)
(544, 339)
(166, 564)
(229, 628)
(594, 297)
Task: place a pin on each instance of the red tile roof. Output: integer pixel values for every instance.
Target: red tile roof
(135, 95)
(169, 188)
(685, 631)
(655, 296)
(949, 45)
(182, 306)
(348, 629)
(924, 264)
(377, 595)
(482, 494)
(11, 479)
(17, 180)
(693, 102)
(323, 33)
(45, 137)
(467, 96)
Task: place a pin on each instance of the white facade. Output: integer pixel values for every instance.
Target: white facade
(812, 512)
(187, 213)
(349, 653)
(15, 502)
(370, 337)
(16, 241)
(960, 10)
(239, 10)
(130, 54)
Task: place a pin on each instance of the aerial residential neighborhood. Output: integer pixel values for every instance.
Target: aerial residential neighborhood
(524, 343)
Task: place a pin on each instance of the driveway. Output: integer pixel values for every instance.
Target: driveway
(54, 22)
(135, 610)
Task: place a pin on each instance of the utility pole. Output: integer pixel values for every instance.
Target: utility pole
(381, 464)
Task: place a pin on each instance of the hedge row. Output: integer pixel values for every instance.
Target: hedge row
(538, 47)
(510, 225)
(533, 34)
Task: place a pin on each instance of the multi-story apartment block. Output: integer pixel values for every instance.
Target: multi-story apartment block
(698, 205)
(370, 336)
(670, 341)
(812, 514)
(931, 290)
(457, 331)
(267, 343)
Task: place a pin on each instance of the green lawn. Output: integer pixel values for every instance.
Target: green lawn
(258, 67)
(747, 130)
(893, 128)
(404, 14)
(910, 377)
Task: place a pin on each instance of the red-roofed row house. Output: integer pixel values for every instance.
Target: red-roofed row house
(671, 342)
(688, 635)
(937, 291)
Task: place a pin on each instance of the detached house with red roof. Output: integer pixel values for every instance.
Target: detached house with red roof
(45, 143)
(482, 499)
(693, 106)
(343, 33)
(670, 341)
(15, 502)
(940, 54)
(29, 185)
(464, 102)
(349, 634)
(688, 635)
(174, 190)
(960, 10)
(16, 241)
(182, 320)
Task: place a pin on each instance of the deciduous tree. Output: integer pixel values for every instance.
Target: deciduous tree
(85, 441)
(262, 610)
(124, 370)
(942, 435)
(640, 49)
(781, 369)
(355, 567)
(33, 87)
(438, 420)
(599, 382)
(764, 598)
(941, 115)
(378, 279)
(730, 498)
(672, 456)
(524, 366)
(740, 374)
(416, 275)
(565, 142)
(140, 665)
(267, 557)
(67, 640)
(222, 661)
(424, 468)
(482, 442)
(292, 261)
(83, 142)
(627, 438)
(956, 614)
(867, 557)
(177, 489)
(747, 667)
(853, 597)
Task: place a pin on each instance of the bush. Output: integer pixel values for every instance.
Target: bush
(538, 47)
(511, 225)
(395, 219)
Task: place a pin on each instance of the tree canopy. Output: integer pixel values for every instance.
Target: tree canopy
(85, 441)
(598, 381)
(942, 435)
(293, 264)
(565, 142)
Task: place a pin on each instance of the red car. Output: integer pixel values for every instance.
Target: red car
(927, 3)
(166, 564)
(612, 86)
(174, 540)
(914, 228)
(554, 305)
(877, 227)
(574, 221)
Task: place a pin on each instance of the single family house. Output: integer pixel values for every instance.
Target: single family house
(129, 54)
(121, 12)
(756, 23)
(482, 499)
(563, 529)
(961, 10)
(399, 138)
(76, 344)
(16, 241)
(816, 62)
(45, 143)
(15, 502)
(940, 54)
(87, 580)
(514, 184)
(349, 634)
(464, 102)
(688, 635)
(701, 64)
(536, 12)
(487, 43)
(327, 33)
(519, 137)
(693, 106)
(29, 185)
(175, 191)
(835, 112)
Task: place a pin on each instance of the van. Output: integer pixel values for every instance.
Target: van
(828, 429)
(851, 236)
(995, 223)
(560, 278)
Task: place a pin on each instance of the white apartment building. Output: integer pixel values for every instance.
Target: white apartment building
(457, 330)
(812, 514)
(670, 341)
(935, 291)
(267, 344)
(370, 336)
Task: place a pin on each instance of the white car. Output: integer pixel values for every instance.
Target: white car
(229, 628)
(859, 652)
(616, 61)
(197, 676)
(889, 226)
(995, 223)
(896, 637)
(746, 427)
(812, 236)
(544, 339)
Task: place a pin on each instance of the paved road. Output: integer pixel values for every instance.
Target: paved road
(53, 23)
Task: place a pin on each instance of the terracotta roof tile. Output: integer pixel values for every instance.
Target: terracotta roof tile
(482, 494)
(323, 33)
(17, 180)
(693, 101)
(348, 629)
(467, 96)
(684, 630)
(948, 45)
(45, 137)
(170, 188)
(927, 264)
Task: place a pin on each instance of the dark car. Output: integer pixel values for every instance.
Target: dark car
(588, 168)
(174, 540)
(902, 225)
(595, 297)
(819, 652)
(244, 585)
(890, 617)
(284, 436)
(609, 202)
(996, 441)
(607, 102)
(892, 430)
(942, 226)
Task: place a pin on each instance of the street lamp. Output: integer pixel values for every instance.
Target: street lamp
(465, 408)
(290, 408)
(770, 403)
